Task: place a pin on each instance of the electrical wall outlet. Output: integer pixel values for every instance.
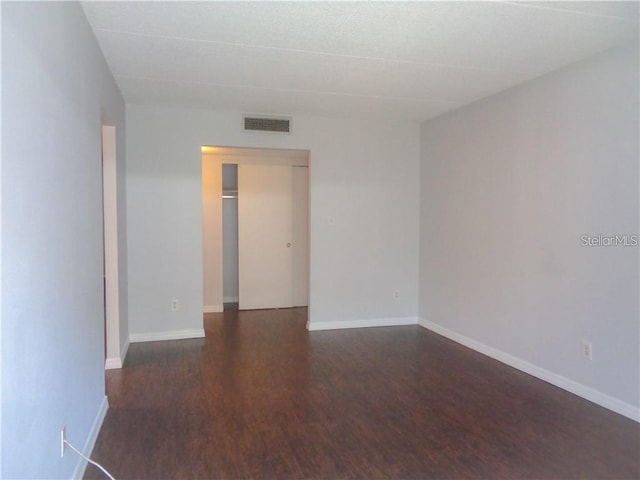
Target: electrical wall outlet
(396, 294)
(175, 305)
(63, 438)
(587, 350)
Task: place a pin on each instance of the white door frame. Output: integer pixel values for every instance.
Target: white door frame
(251, 155)
(110, 225)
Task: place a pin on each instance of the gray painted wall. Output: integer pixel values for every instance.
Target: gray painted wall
(508, 187)
(230, 248)
(55, 87)
(363, 176)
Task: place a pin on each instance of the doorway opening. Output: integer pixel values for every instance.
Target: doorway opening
(113, 355)
(255, 228)
(230, 262)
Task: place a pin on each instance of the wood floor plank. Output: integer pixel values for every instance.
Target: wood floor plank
(262, 398)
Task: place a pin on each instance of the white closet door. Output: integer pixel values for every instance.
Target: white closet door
(265, 265)
(300, 236)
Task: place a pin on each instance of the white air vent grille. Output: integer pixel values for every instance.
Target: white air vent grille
(267, 124)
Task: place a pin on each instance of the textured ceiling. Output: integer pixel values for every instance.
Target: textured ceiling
(409, 61)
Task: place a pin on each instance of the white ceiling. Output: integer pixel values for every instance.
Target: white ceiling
(401, 60)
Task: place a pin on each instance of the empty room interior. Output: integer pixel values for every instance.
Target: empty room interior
(320, 240)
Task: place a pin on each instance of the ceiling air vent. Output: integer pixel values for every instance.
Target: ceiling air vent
(256, 123)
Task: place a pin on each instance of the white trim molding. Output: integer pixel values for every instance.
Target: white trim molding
(595, 396)
(113, 363)
(373, 322)
(162, 336)
(213, 309)
(87, 448)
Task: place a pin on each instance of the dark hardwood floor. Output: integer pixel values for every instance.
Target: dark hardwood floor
(260, 397)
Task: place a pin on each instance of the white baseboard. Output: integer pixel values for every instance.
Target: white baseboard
(230, 299)
(171, 335)
(373, 322)
(572, 386)
(113, 363)
(87, 448)
(213, 308)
